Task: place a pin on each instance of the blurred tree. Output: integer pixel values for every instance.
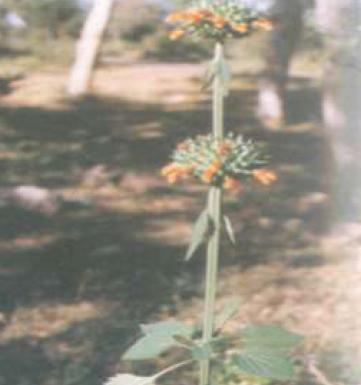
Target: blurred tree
(3, 26)
(340, 21)
(88, 47)
(51, 16)
(288, 15)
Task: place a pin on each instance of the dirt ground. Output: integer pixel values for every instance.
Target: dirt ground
(75, 282)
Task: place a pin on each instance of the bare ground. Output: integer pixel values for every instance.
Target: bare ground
(75, 284)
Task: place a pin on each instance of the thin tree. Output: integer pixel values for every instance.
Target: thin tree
(280, 48)
(88, 47)
(340, 22)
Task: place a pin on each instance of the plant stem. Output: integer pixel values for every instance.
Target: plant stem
(218, 96)
(215, 213)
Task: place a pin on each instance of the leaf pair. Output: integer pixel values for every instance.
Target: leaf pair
(264, 351)
(156, 339)
(202, 229)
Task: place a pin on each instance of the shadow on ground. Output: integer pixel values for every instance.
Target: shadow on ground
(75, 285)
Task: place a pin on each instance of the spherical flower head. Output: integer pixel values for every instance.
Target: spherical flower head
(223, 163)
(219, 20)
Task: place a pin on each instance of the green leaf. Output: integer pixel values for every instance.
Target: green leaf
(270, 337)
(167, 327)
(209, 75)
(130, 379)
(229, 229)
(219, 68)
(186, 342)
(201, 230)
(265, 352)
(264, 363)
(223, 72)
(157, 339)
(229, 311)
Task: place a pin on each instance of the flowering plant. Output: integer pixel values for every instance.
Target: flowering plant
(222, 162)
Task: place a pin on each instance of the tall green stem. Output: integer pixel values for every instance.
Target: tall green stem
(215, 213)
(218, 95)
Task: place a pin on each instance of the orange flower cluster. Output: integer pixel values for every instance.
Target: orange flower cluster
(173, 172)
(196, 18)
(221, 163)
(193, 15)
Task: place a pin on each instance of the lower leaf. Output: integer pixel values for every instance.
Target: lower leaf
(157, 338)
(263, 363)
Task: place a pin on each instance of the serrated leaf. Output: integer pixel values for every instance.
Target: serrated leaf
(201, 230)
(270, 337)
(264, 363)
(230, 310)
(229, 229)
(157, 339)
(129, 379)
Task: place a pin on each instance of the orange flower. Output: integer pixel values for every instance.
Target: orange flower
(265, 176)
(168, 169)
(230, 183)
(241, 27)
(218, 21)
(194, 15)
(202, 14)
(172, 178)
(173, 172)
(263, 24)
(210, 171)
(176, 34)
(223, 149)
(176, 17)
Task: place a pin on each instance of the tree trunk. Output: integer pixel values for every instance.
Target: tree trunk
(340, 20)
(88, 47)
(282, 43)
